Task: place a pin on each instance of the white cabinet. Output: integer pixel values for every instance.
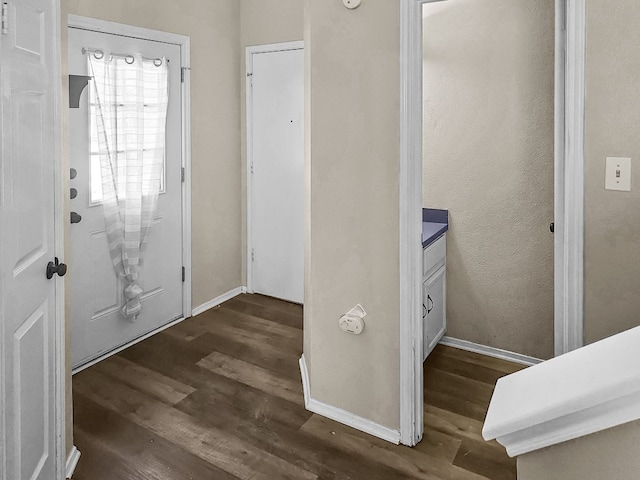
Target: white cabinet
(434, 285)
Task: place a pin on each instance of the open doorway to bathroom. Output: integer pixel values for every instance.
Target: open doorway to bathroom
(488, 160)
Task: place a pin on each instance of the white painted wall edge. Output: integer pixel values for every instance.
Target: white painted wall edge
(342, 416)
(576, 394)
(490, 351)
(304, 373)
(218, 300)
(72, 462)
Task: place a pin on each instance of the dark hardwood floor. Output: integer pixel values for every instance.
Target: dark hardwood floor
(219, 396)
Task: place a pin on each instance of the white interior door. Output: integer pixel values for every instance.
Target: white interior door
(29, 146)
(276, 183)
(96, 291)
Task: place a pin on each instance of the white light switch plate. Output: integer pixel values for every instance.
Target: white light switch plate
(618, 174)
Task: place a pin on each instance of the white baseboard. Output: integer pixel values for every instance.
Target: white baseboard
(490, 351)
(343, 416)
(304, 373)
(218, 300)
(72, 462)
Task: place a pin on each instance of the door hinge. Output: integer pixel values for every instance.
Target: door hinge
(4, 28)
(182, 175)
(251, 167)
(250, 77)
(184, 274)
(253, 255)
(183, 73)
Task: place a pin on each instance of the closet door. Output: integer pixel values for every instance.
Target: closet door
(276, 178)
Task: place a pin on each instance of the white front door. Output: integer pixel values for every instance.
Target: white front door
(276, 179)
(29, 142)
(96, 291)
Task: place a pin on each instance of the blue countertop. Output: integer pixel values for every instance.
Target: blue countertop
(434, 223)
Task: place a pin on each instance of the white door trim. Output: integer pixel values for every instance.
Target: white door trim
(568, 259)
(59, 216)
(569, 241)
(250, 51)
(184, 42)
(411, 335)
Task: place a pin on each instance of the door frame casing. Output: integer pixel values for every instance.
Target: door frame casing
(250, 51)
(569, 208)
(184, 42)
(568, 198)
(59, 216)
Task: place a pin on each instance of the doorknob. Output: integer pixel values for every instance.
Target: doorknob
(53, 268)
(552, 227)
(75, 218)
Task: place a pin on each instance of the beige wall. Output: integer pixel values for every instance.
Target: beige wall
(262, 22)
(352, 63)
(214, 28)
(610, 454)
(488, 150)
(270, 21)
(612, 219)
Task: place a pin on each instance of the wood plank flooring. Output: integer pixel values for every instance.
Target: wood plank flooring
(219, 397)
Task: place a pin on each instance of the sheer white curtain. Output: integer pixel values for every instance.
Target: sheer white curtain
(128, 98)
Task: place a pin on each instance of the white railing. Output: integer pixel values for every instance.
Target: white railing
(582, 392)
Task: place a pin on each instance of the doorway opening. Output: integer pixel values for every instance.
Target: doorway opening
(488, 160)
(568, 202)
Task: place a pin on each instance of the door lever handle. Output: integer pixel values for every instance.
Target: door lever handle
(56, 267)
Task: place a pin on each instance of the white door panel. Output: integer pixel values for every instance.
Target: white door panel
(96, 292)
(27, 210)
(277, 196)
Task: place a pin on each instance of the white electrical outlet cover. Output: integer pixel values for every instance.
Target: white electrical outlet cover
(351, 324)
(351, 4)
